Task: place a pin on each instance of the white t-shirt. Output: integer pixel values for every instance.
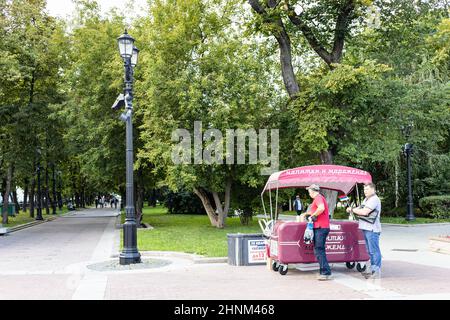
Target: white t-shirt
(372, 202)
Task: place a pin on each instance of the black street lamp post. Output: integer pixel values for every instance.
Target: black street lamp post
(39, 193)
(408, 151)
(129, 54)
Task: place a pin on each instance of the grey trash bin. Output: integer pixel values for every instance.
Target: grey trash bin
(246, 249)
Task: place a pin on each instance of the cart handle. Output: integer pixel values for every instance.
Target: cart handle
(266, 227)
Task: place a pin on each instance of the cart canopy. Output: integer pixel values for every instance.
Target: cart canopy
(339, 178)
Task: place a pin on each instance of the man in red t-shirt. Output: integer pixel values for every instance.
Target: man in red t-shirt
(320, 215)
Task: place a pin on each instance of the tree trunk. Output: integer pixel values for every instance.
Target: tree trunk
(152, 198)
(6, 195)
(53, 189)
(16, 202)
(60, 204)
(397, 196)
(218, 216)
(226, 207)
(83, 200)
(220, 211)
(47, 208)
(32, 196)
(139, 197)
(139, 203)
(25, 195)
(202, 194)
(284, 44)
(77, 200)
(326, 157)
(287, 70)
(123, 197)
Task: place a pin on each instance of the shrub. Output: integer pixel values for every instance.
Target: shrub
(436, 206)
(183, 202)
(401, 212)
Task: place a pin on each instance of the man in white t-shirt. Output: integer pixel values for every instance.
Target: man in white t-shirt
(372, 231)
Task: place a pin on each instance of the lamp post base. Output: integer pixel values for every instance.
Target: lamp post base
(129, 258)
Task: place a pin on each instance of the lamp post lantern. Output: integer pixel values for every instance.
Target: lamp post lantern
(129, 54)
(408, 151)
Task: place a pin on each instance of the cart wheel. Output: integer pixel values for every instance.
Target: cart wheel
(283, 269)
(360, 268)
(275, 266)
(350, 265)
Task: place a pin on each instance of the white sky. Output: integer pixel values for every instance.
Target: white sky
(64, 8)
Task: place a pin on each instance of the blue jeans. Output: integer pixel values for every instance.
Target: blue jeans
(373, 247)
(320, 236)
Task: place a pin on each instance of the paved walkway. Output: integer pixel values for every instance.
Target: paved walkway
(49, 261)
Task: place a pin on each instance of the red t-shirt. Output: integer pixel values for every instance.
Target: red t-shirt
(323, 219)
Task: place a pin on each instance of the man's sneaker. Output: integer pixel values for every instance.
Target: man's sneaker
(372, 275)
(324, 277)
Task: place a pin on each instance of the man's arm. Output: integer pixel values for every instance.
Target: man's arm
(362, 211)
(319, 210)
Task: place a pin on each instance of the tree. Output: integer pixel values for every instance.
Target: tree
(350, 107)
(202, 71)
(31, 61)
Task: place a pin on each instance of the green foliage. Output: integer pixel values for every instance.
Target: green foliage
(334, 103)
(93, 79)
(198, 68)
(436, 206)
(440, 43)
(32, 45)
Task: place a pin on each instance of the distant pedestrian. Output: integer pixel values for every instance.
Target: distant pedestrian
(298, 208)
(368, 215)
(115, 202)
(96, 203)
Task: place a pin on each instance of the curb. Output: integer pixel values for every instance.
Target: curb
(416, 225)
(30, 224)
(197, 259)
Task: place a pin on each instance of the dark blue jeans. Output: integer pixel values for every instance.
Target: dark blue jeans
(373, 247)
(320, 236)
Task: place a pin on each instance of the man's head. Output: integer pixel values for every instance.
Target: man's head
(369, 189)
(298, 197)
(313, 190)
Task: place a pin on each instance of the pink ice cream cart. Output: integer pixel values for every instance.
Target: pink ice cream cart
(284, 239)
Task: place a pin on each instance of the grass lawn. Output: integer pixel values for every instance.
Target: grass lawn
(188, 233)
(21, 218)
(24, 217)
